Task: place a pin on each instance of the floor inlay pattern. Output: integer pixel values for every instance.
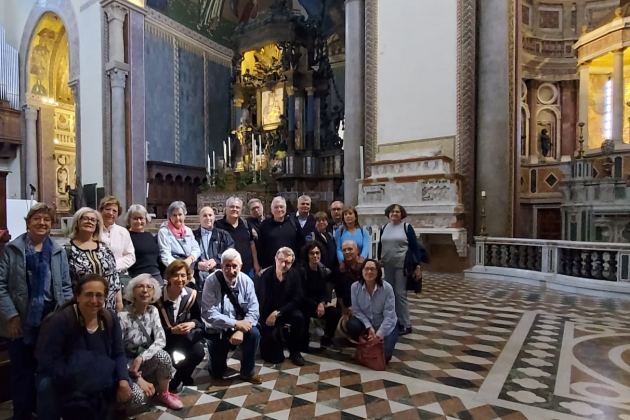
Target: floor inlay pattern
(480, 350)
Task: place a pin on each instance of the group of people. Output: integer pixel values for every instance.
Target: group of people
(136, 310)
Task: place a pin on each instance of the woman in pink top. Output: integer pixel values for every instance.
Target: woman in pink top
(117, 238)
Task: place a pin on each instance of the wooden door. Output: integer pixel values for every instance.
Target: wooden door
(549, 223)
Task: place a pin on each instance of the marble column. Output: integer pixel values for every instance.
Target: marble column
(118, 80)
(30, 114)
(617, 96)
(118, 70)
(76, 94)
(583, 100)
(354, 135)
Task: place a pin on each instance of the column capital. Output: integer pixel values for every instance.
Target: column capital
(30, 112)
(239, 102)
(620, 51)
(290, 90)
(118, 78)
(116, 11)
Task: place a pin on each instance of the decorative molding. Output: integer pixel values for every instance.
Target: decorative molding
(115, 11)
(107, 107)
(176, 95)
(188, 38)
(371, 74)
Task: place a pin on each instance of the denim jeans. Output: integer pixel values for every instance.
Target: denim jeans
(218, 349)
(356, 329)
(23, 367)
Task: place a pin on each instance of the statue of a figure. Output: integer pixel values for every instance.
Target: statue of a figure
(76, 197)
(545, 142)
(337, 117)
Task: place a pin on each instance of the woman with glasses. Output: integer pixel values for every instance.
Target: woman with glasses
(150, 366)
(81, 364)
(180, 313)
(88, 254)
(117, 237)
(321, 235)
(34, 279)
(374, 308)
(144, 244)
(176, 240)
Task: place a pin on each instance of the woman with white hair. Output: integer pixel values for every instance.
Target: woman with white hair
(150, 366)
(87, 254)
(175, 239)
(144, 243)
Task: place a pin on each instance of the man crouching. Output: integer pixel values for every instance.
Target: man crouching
(230, 310)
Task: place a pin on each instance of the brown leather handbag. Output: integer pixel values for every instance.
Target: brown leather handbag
(371, 353)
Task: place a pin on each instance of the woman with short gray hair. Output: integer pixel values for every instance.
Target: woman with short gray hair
(144, 243)
(175, 239)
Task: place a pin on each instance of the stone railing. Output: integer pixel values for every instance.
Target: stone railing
(598, 269)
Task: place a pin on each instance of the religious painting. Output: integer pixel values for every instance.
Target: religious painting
(43, 50)
(272, 106)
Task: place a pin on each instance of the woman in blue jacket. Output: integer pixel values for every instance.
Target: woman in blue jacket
(352, 231)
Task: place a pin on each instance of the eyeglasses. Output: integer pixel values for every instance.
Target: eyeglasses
(89, 219)
(144, 286)
(285, 262)
(99, 296)
(314, 253)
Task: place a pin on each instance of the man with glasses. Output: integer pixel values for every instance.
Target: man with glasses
(229, 307)
(242, 235)
(323, 236)
(279, 291)
(336, 213)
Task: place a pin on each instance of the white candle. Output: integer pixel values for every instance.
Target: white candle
(230, 148)
(254, 153)
(224, 152)
(147, 190)
(483, 194)
(361, 162)
(214, 161)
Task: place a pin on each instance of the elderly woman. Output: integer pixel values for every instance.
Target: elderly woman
(374, 308)
(180, 313)
(34, 278)
(144, 243)
(87, 254)
(117, 237)
(144, 341)
(352, 231)
(176, 240)
(401, 255)
(82, 368)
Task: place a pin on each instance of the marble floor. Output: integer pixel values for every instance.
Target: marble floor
(480, 350)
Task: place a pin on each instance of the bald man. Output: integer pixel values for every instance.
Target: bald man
(336, 213)
(349, 272)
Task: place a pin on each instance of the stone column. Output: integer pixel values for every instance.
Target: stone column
(118, 70)
(30, 114)
(533, 121)
(354, 135)
(617, 96)
(585, 82)
(76, 94)
(118, 80)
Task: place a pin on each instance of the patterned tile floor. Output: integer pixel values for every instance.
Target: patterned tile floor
(480, 350)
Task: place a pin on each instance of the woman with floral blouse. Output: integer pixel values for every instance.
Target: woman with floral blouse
(144, 341)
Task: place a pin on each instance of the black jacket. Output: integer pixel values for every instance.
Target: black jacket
(314, 287)
(220, 241)
(309, 226)
(285, 302)
(188, 312)
(275, 235)
(329, 253)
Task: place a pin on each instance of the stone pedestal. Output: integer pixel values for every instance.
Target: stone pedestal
(426, 187)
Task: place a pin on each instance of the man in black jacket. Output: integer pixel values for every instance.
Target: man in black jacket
(277, 232)
(279, 292)
(213, 242)
(303, 216)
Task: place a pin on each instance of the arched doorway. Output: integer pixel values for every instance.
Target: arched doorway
(47, 89)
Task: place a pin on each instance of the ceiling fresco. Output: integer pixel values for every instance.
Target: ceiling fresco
(217, 19)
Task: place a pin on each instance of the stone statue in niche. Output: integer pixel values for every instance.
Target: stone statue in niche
(545, 143)
(76, 197)
(62, 180)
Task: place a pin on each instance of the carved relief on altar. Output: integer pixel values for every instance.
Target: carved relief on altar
(439, 190)
(422, 166)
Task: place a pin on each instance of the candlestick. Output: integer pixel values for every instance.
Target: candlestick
(483, 231)
(581, 141)
(254, 155)
(225, 158)
(260, 152)
(230, 151)
(214, 161)
(483, 194)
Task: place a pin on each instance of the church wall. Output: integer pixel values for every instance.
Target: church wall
(219, 109)
(191, 110)
(160, 104)
(417, 70)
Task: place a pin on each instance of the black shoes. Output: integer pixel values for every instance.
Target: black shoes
(404, 331)
(297, 359)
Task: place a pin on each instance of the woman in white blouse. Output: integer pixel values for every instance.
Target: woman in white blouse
(116, 237)
(144, 341)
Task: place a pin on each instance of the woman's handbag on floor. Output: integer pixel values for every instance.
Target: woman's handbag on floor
(414, 284)
(371, 353)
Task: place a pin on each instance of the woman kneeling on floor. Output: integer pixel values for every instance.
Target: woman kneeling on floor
(82, 368)
(150, 366)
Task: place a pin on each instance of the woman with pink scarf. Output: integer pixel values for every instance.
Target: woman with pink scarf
(175, 239)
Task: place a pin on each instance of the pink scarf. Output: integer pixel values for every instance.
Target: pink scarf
(178, 233)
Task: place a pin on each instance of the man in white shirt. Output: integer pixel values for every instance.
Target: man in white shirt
(213, 242)
(303, 215)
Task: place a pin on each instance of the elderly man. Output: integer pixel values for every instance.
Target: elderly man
(336, 212)
(213, 242)
(303, 215)
(229, 308)
(279, 231)
(256, 214)
(350, 271)
(279, 291)
(242, 234)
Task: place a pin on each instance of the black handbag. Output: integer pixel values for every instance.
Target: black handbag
(271, 347)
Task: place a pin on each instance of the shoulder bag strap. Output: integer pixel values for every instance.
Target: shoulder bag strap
(191, 301)
(143, 330)
(164, 314)
(226, 290)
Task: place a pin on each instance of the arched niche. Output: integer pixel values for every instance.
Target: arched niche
(549, 118)
(525, 140)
